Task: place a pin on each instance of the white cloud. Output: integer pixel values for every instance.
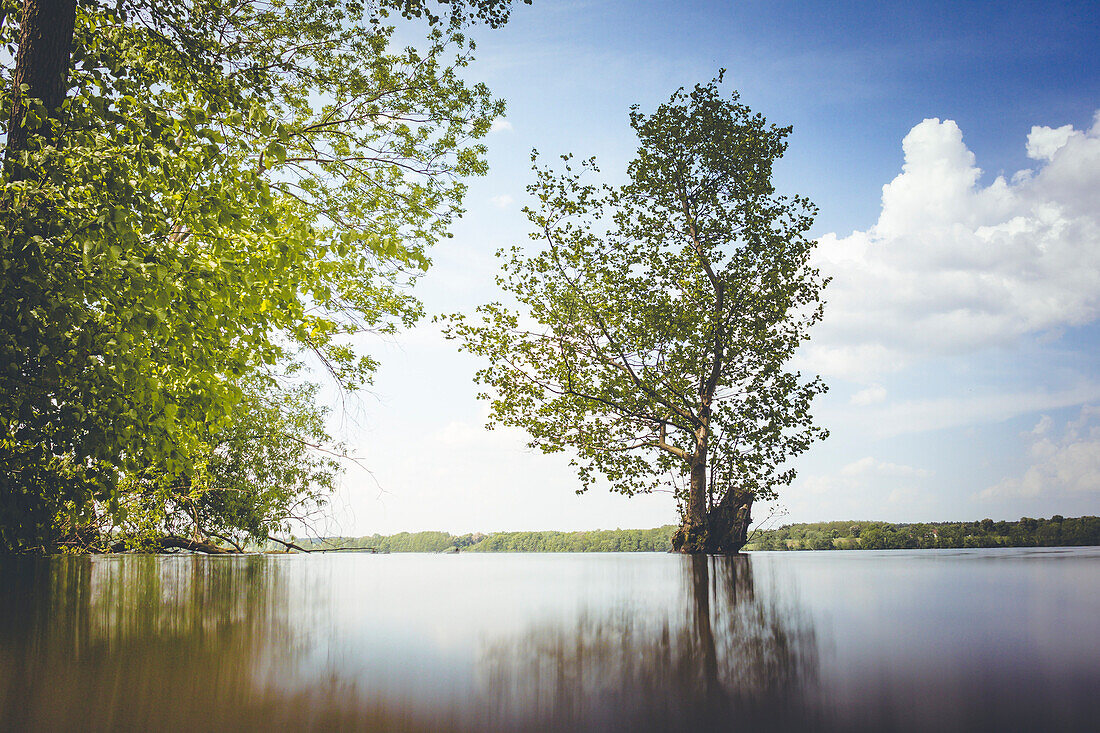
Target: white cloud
(866, 481)
(500, 124)
(915, 416)
(502, 202)
(1044, 142)
(952, 267)
(1043, 426)
(871, 395)
(871, 467)
(1059, 464)
(860, 362)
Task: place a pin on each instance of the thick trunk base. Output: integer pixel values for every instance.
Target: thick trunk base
(723, 532)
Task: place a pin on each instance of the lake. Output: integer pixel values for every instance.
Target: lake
(945, 640)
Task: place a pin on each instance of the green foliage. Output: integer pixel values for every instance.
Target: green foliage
(265, 472)
(412, 542)
(1054, 532)
(850, 535)
(618, 540)
(493, 13)
(230, 186)
(657, 317)
(400, 542)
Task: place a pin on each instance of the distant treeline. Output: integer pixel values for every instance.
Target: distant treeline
(1058, 531)
(609, 540)
(605, 540)
(851, 535)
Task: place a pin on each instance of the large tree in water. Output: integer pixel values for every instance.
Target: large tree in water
(658, 318)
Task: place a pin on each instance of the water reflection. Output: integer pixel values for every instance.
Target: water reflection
(162, 643)
(982, 640)
(726, 658)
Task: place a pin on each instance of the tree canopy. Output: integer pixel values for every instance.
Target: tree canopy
(266, 472)
(222, 188)
(657, 318)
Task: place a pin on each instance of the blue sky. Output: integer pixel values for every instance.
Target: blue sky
(954, 152)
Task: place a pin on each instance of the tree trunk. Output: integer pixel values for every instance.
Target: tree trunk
(728, 523)
(721, 531)
(173, 542)
(182, 543)
(691, 537)
(42, 63)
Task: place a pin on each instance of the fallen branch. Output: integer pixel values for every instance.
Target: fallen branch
(227, 539)
(172, 542)
(288, 545)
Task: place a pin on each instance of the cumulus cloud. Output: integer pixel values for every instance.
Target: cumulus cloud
(952, 266)
(1044, 142)
(500, 124)
(1069, 462)
(1043, 426)
(502, 202)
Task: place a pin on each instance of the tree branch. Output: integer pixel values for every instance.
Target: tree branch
(288, 545)
(665, 445)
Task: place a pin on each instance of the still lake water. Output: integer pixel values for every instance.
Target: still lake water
(946, 640)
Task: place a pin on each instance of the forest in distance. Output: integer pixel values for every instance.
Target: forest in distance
(1058, 531)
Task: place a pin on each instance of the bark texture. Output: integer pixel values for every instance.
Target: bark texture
(722, 530)
(42, 64)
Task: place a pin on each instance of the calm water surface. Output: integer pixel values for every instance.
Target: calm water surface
(948, 640)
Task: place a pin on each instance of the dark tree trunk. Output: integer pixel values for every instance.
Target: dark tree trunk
(30, 493)
(182, 543)
(728, 523)
(42, 63)
(721, 531)
(691, 537)
(172, 542)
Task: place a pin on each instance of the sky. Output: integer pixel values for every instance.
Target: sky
(953, 150)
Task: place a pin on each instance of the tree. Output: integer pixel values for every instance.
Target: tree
(266, 472)
(872, 538)
(658, 318)
(45, 38)
(226, 187)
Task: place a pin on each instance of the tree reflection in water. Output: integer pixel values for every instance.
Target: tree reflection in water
(538, 642)
(730, 658)
(164, 643)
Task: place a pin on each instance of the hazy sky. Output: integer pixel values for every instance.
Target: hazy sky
(954, 151)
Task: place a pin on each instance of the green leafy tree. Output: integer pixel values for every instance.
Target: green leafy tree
(872, 539)
(658, 317)
(268, 471)
(199, 191)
